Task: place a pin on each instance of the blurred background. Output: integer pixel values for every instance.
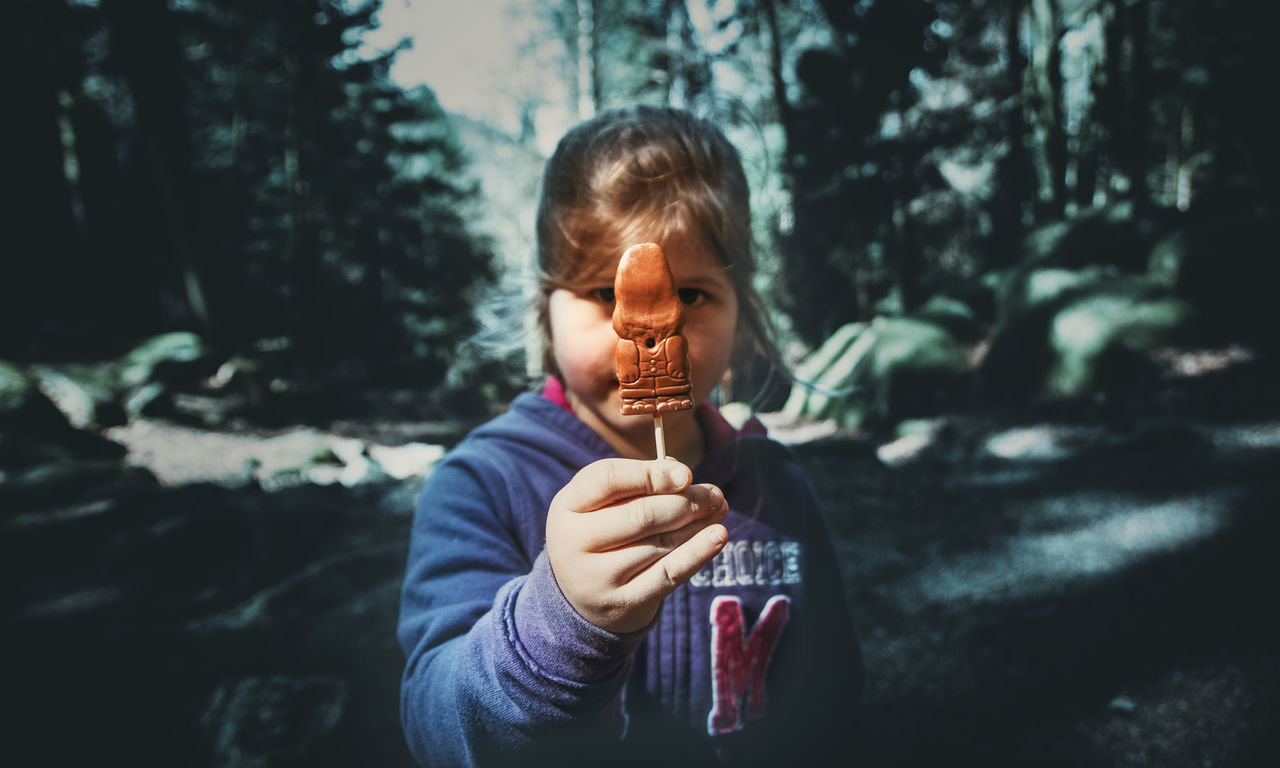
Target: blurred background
(265, 262)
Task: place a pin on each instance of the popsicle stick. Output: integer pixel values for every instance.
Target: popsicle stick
(658, 437)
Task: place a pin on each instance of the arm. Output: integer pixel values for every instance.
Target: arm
(502, 661)
(496, 658)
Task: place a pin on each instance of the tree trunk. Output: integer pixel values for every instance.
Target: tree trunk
(1138, 109)
(146, 50)
(1014, 188)
(785, 113)
(677, 82)
(1045, 105)
(585, 57)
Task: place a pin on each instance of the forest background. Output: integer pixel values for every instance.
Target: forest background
(251, 173)
(255, 285)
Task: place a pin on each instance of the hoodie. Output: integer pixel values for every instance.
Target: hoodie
(753, 661)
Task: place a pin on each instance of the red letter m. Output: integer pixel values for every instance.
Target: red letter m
(739, 662)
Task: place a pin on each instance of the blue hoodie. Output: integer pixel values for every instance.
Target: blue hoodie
(753, 661)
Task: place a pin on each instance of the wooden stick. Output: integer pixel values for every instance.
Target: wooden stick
(658, 438)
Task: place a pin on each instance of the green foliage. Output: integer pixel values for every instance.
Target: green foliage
(242, 172)
(960, 320)
(851, 179)
(139, 364)
(1069, 333)
(1109, 322)
(930, 142)
(878, 373)
(15, 387)
(238, 170)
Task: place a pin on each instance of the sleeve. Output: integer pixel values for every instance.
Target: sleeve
(497, 661)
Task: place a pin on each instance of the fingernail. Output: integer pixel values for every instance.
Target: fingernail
(679, 475)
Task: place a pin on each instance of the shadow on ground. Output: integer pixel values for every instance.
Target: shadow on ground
(1067, 592)
(206, 626)
(1051, 587)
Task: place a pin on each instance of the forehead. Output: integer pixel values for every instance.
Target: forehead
(687, 261)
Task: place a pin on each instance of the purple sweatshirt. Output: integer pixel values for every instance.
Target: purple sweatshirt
(753, 661)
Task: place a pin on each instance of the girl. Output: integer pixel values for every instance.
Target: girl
(570, 600)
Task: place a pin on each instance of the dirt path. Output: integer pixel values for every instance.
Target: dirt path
(1089, 585)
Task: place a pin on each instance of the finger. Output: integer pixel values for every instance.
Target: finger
(608, 481)
(640, 518)
(678, 566)
(626, 563)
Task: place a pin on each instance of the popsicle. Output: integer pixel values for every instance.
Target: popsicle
(652, 356)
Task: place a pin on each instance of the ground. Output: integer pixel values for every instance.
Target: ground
(1068, 584)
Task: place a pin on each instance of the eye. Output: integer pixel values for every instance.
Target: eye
(691, 297)
(602, 295)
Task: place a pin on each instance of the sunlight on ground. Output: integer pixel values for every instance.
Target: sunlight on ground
(1122, 531)
(1044, 442)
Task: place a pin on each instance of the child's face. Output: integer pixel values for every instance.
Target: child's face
(584, 343)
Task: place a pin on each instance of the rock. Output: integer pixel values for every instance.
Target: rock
(262, 721)
(354, 466)
(917, 439)
(15, 388)
(88, 395)
(808, 397)
(33, 431)
(51, 483)
(1108, 235)
(1091, 337)
(288, 459)
(1022, 293)
(144, 400)
(952, 314)
(164, 354)
(878, 373)
(1223, 268)
(409, 460)
(1066, 333)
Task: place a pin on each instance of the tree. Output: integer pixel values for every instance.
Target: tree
(236, 168)
(853, 172)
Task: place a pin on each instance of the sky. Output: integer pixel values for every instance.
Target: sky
(469, 54)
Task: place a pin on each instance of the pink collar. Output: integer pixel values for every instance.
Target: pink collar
(717, 430)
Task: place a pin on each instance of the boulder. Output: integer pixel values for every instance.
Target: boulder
(1223, 268)
(34, 431)
(15, 388)
(952, 314)
(1109, 235)
(1092, 337)
(877, 373)
(164, 357)
(1068, 333)
(88, 395)
(262, 721)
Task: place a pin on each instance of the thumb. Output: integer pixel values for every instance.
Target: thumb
(609, 481)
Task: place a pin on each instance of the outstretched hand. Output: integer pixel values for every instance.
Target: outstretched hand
(623, 534)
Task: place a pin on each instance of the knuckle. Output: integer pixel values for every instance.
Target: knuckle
(644, 514)
(610, 474)
(668, 579)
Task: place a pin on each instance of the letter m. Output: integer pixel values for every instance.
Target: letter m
(739, 661)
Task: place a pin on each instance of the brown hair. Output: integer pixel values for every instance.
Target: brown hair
(640, 174)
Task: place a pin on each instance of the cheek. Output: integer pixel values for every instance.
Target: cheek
(710, 356)
(584, 351)
(709, 364)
